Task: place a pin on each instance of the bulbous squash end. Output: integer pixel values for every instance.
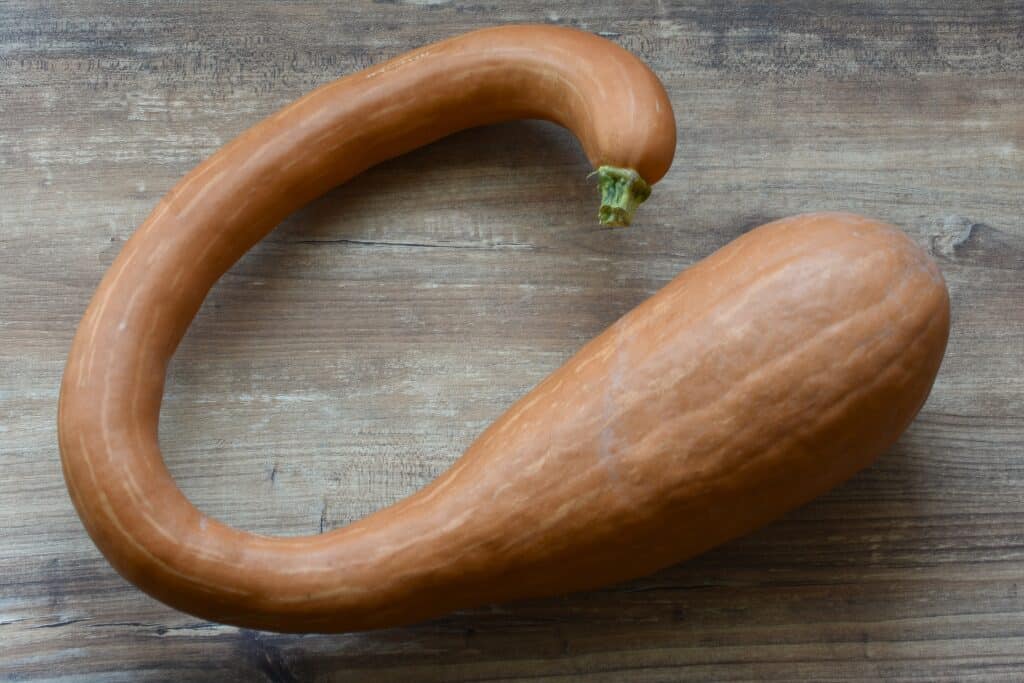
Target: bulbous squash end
(622, 191)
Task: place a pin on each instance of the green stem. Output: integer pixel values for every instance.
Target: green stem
(622, 190)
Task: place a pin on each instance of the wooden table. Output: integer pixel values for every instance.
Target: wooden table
(350, 357)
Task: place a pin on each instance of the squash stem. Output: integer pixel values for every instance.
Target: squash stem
(622, 190)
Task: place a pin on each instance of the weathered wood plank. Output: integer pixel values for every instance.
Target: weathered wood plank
(350, 357)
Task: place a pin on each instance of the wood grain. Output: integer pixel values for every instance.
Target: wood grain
(349, 358)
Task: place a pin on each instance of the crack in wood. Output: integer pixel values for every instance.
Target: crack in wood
(422, 245)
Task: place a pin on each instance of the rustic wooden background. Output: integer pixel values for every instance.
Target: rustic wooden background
(349, 358)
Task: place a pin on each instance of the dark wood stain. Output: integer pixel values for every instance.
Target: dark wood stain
(351, 356)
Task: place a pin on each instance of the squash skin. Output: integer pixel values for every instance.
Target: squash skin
(754, 381)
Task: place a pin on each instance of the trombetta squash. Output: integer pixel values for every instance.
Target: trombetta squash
(754, 381)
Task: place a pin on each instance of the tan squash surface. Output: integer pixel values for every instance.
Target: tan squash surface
(751, 383)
